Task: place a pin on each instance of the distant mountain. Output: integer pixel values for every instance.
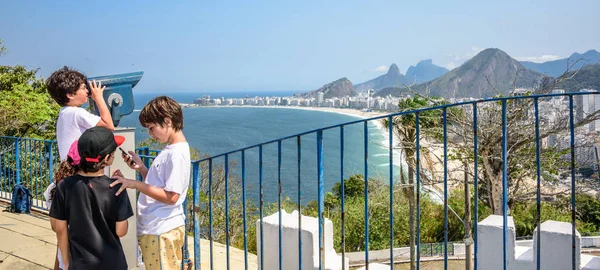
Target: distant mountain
(339, 88)
(392, 78)
(424, 71)
(558, 67)
(587, 77)
(490, 72)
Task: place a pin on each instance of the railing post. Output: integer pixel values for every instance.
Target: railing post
(244, 209)
(574, 262)
(366, 193)
(196, 213)
(538, 176)
(227, 209)
(321, 193)
(343, 187)
(445, 119)
(504, 185)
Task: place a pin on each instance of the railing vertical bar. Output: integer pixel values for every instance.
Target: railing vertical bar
(261, 204)
(573, 200)
(28, 179)
(504, 186)
(279, 201)
(41, 169)
(3, 177)
(27, 171)
(418, 172)
(476, 183)
(227, 210)
(391, 153)
(445, 120)
(17, 162)
(321, 195)
(195, 212)
(299, 203)
(343, 196)
(244, 209)
(147, 159)
(210, 211)
(51, 161)
(184, 249)
(366, 193)
(538, 195)
(36, 173)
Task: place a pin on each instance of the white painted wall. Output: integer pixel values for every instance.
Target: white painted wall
(289, 243)
(556, 243)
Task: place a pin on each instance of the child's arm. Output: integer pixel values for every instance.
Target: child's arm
(159, 194)
(121, 228)
(97, 90)
(124, 212)
(60, 228)
(58, 222)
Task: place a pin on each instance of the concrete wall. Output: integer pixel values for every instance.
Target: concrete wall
(289, 242)
(556, 247)
(129, 241)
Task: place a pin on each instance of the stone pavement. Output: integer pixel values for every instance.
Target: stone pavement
(27, 242)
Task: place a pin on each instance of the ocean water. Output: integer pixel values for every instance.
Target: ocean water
(216, 130)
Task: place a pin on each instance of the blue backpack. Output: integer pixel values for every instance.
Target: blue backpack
(21, 200)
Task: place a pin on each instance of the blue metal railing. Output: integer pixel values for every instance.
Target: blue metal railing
(28, 162)
(320, 157)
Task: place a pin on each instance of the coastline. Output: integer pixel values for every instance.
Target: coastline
(345, 111)
(431, 163)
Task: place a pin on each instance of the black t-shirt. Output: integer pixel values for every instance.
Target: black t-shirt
(91, 210)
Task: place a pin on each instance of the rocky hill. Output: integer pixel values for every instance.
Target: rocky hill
(424, 71)
(558, 67)
(392, 78)
(587, 77)
(338, 88)
(489, 73)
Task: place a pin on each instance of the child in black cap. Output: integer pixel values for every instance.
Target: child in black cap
(87, 217)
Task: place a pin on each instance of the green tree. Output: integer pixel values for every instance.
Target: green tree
(26, 108)
(404, 128)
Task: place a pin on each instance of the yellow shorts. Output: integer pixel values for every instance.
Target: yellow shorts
(162, 251)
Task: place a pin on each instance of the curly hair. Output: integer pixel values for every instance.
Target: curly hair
(64, 170)
(160, 108)
(62, 82)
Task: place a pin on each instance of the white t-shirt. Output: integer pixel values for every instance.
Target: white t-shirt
(72, 122)
(52, 186)
(170, 171)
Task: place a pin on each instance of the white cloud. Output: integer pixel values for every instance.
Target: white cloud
(381, 69)
(457, 59)
(539, 59)
(450, 66)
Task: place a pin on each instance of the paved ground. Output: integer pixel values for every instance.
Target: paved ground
(27, 242)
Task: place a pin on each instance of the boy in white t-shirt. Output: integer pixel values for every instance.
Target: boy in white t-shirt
(160, 216)
(67, 88)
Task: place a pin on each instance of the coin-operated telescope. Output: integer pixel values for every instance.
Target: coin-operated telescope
(118, 94)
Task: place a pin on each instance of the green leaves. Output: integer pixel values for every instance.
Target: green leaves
(26, 109)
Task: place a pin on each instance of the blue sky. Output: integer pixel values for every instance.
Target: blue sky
(282, 45)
